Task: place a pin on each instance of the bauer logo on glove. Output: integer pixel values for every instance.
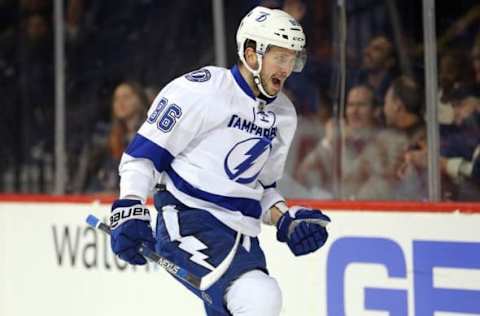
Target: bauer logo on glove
(130, 223)
(122, 214)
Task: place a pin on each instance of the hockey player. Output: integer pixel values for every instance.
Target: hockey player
(217, 141)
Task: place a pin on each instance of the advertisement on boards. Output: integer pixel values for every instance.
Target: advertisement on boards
(375, 263)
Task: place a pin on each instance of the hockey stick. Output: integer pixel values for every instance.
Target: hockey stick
(171, 267)
(199, 283)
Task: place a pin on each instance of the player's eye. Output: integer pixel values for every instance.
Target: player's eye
(284, 60)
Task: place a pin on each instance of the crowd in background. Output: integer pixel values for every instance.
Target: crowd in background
(120, 54)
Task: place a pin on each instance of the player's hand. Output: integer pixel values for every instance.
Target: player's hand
(303, 229)
(130, 224)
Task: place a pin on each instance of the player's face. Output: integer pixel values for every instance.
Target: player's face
(125, 102)
(278, 64)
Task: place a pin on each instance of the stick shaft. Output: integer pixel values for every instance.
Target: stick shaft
(148, 253)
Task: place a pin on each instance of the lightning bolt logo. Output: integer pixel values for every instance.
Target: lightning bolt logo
(193, 246)
(261, 145)
(262, 17)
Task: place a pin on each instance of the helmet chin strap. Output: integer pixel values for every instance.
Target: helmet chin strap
(256, 75)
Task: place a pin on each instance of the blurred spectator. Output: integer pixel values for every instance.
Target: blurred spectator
(403, 111)
(461, 150)
(403, 106)
(362, 167)
(98, 172)
(454, 69)
(36, 103)
(364, 19)
(377, 66)
(460, 146)
(75, 12)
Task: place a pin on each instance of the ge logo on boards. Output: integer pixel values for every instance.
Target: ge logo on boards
(426, 256)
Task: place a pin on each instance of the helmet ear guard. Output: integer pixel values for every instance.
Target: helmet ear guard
(256, 73)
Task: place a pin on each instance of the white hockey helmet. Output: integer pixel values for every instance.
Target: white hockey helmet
(270, 27)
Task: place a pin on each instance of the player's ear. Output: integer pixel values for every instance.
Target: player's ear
(251, 57)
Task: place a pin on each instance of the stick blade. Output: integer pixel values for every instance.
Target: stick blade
(92, 220)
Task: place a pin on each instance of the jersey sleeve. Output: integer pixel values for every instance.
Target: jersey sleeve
(175, 117)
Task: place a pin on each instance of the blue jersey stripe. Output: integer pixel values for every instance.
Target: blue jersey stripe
(142, 147)
(244, 85)
(246, 206)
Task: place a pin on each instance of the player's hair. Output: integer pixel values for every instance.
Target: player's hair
(247, 44)
(410, 94)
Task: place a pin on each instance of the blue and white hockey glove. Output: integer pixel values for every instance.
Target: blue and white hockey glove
(130, 224)
(303, 229)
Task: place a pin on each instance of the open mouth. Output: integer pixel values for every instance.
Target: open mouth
(276, 82)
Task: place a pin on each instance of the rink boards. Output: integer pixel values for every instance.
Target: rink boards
(382, 261)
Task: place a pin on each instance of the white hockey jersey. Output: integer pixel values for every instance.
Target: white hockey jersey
(219, 147)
